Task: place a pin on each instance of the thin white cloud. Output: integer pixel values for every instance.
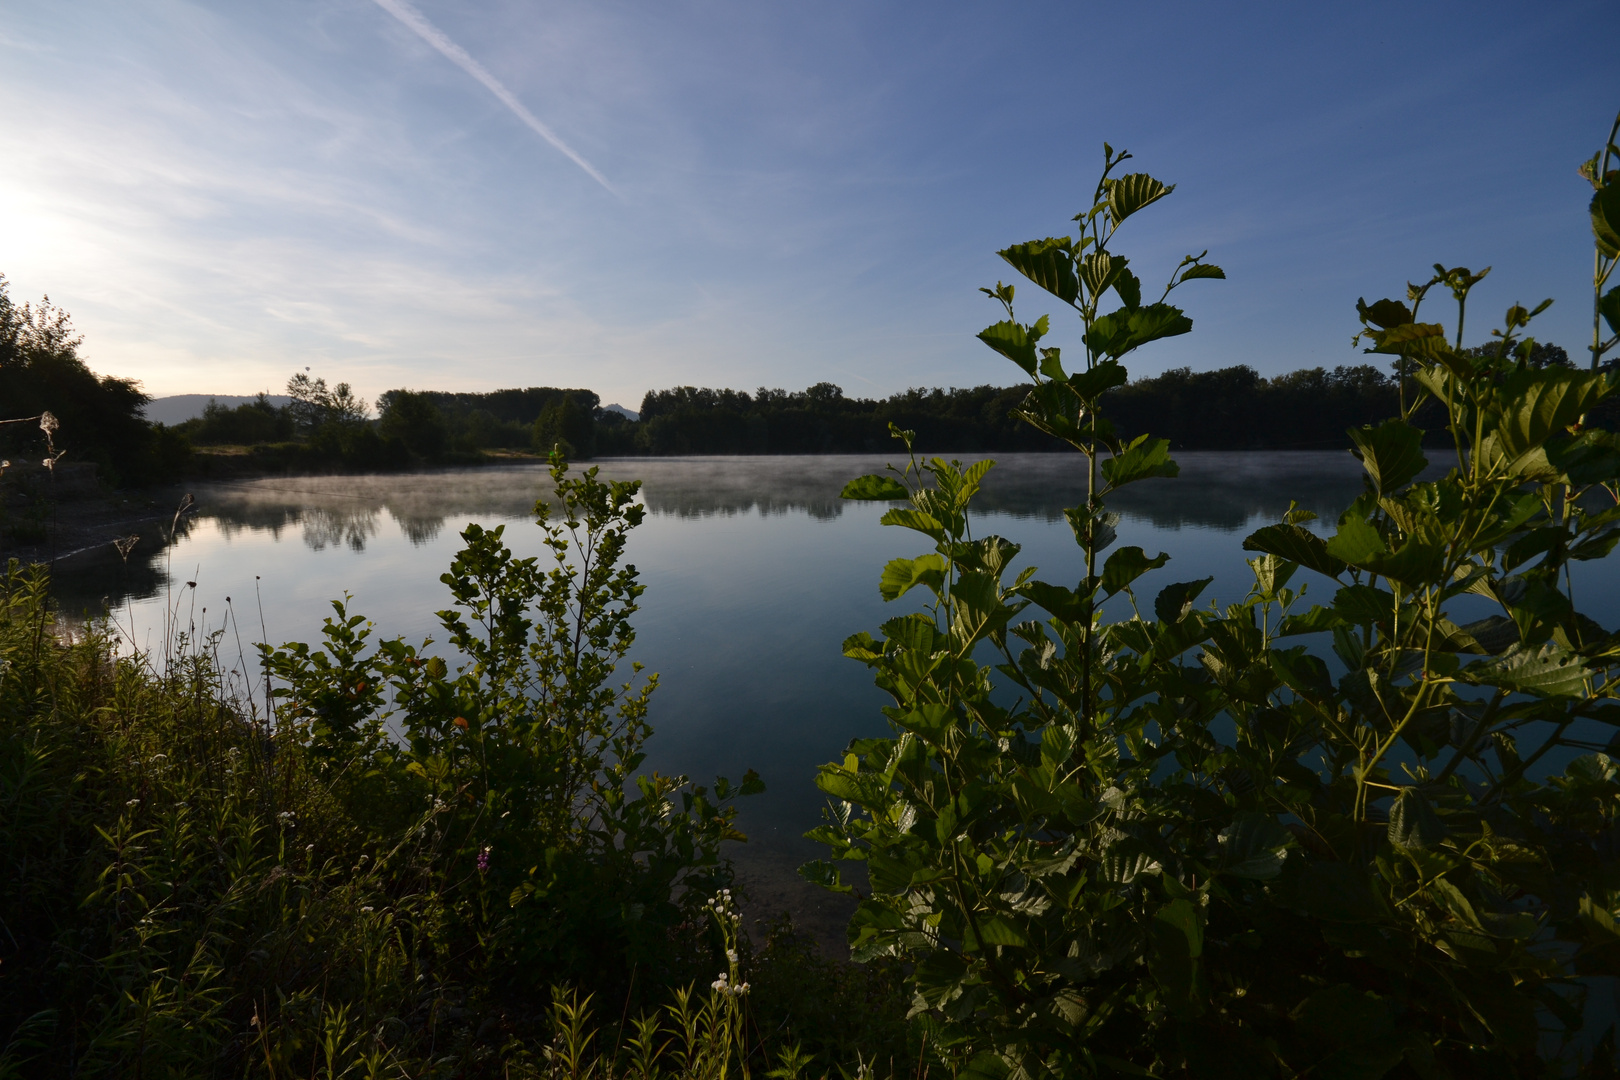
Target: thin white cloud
(405, 13)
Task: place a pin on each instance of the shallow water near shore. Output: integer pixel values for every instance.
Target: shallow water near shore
(755, 571)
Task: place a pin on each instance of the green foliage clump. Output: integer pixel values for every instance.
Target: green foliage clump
(1371, 836)
(385, 874)
(256, 421)
(440, 426)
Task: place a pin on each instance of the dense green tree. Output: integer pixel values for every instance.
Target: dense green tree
(415, 420)
(99, 417)
(252, 422)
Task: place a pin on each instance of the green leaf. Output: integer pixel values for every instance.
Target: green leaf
(1317, 620)
(1145, 457)
(1413, 822)
(1118, 332)
(1385, 314)
(875, 488)
(992, 930)
(1302, 672)
(1052, 362)
(1130, 193)
(1549, 670)
(1129, 289)
(1125, 566)
(1102, 377)
(1099, 269)
(1416, 562)
(1178, 941)
(1174, 601)
(902, 575)
(1392, 453)
(1157, 321)
(1203, 270)
(1295, 544)
(1355, 542)
(1410, 339)
(1605, 210)
(1363, 605)
(825, 874)
(1540, 404)
(1048, 264)
(926, 524)
(1609, 306)
(1253, 846)
(1066, 604)
(1011, 340)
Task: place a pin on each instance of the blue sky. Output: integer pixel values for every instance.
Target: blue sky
(223, 193)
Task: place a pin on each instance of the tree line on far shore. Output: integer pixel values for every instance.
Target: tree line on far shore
(1232, 408)
(327, 427)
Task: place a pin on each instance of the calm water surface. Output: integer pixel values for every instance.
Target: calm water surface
(755, 571)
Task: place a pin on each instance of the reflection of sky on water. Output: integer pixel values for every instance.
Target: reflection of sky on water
(755, 571)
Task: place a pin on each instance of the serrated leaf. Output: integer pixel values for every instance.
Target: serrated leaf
(1317, 620)
(1410, 339)
(1099, 269)
(1125, 566)
(1048, 264)
(926, 524)
(875, 488)
(1101, 378)
(1540, 404)
(1384, 314)
(1203, 270)
(1176, 600)
(1129, 290)
(1145, 457)
(1361, 605)
(1303, 673)
(1295, 544)
(1253, 846)
(1355, 542)
(1609, 306)
(1549, 670)
(992, 930)
(902, 575)
(1130, 193)
(1605, 211)
(1156, 321)
(1066, 604)
(1011, 340)
(1413, 822)
(1392, 453)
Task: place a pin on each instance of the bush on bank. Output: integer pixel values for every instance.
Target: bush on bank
(389, 871)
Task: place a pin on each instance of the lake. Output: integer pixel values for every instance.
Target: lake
(755, 571)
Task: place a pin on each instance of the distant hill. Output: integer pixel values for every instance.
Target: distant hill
(179, 408)
(628, 414)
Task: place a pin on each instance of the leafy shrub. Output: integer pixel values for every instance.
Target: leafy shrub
(385, 875)
(1191, 842)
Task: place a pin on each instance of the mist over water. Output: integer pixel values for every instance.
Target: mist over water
(756, 571)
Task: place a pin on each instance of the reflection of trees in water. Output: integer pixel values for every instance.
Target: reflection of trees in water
(418, 529)
(326, 527)
(1222, 490)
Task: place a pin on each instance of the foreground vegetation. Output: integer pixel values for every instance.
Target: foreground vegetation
(403, 866)
(1373, 836)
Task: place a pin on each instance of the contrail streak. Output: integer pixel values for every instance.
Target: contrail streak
(405, 13)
